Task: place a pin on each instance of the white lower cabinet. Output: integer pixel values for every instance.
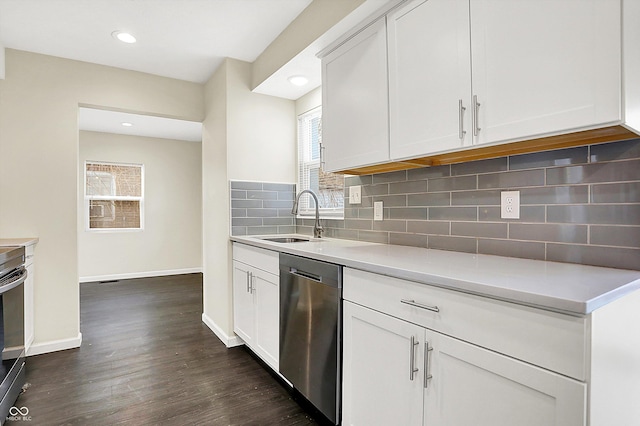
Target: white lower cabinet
(377, 387)
(415, 354)
(256, 301)
(396, 372)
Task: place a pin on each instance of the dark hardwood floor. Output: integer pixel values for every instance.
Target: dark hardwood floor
(147, 359)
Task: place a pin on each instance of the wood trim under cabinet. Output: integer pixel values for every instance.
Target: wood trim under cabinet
(587, 137)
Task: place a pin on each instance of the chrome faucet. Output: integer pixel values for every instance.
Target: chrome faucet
(317, 228)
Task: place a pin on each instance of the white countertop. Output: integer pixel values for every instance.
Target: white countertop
(23, 242)
(564, 287)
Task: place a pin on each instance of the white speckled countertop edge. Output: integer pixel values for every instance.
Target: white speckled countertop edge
(563, 287)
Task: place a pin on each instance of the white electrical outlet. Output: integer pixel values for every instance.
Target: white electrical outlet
(510, 204)
(377, 210)
(355, 194)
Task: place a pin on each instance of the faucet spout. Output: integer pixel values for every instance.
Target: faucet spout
(317, 227)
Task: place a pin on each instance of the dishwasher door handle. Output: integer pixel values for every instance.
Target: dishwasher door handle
(305, 275)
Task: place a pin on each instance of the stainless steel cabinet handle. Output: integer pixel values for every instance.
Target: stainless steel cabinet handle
(251, 280)
(412, 358)
(461, 110)
(248, 283)
(427, 376)
(475, 116)
(420, 305)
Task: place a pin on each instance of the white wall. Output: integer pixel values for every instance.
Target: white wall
(311, 100)
(261, 131)
(39, 101)
(171, 241)
(247, 136)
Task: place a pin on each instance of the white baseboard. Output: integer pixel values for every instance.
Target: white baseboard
(229, 341)
(55, 345)
(115, 277)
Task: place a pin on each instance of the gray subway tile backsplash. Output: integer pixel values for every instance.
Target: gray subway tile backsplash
(455, 183)
(543, 195)
(409, 187)
(548, 232)
(491, 165)
(476, 198)
(615, 151)
(560, 157)
(610, 214)
(579, 205)
(615, 236)
(506, 180)
(262, 208)
(594, 173)
(628, 192)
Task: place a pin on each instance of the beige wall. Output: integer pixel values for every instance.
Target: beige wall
(261, 131)
(216, 248)
(171, 239)
(39, 101)
(247, 136)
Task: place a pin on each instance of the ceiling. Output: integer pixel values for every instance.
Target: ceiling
(185, 39)
(97, 120)
(182, 39)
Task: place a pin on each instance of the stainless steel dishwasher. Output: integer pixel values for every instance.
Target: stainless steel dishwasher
(311, 330)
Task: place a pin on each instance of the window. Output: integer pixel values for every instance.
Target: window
(328, 186)
(113, 195)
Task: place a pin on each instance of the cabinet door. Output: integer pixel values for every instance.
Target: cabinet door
(243, 310)
(473, 386)
(429, 77)
(544, 66)
(377, 354)
(355, 123)
(267, 317)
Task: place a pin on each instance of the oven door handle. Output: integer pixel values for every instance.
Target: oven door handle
(13, 280)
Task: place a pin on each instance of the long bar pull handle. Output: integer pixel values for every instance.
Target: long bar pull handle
(248, 282)
(476, 124)
(427, 376)
(420, 305)
(461, 110)
(412, 358)
(251, 282)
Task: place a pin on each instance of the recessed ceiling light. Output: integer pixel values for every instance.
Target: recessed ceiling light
(123, 37)
(298, 80)
(126, 124)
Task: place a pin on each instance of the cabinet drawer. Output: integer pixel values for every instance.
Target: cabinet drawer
(266, 260)
(550, 340)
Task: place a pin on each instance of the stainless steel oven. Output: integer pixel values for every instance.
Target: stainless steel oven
(12, 372)
(310, 330)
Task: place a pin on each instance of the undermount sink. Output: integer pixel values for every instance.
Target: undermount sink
(285, 239)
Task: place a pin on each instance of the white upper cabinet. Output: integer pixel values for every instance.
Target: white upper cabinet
(429, 77)
(631, 55)
(545, 66)
(355, 122)
(462, 73)
(471, 72)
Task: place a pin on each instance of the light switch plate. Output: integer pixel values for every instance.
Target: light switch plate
(355, 194)
(510, 204)
(377, 210)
